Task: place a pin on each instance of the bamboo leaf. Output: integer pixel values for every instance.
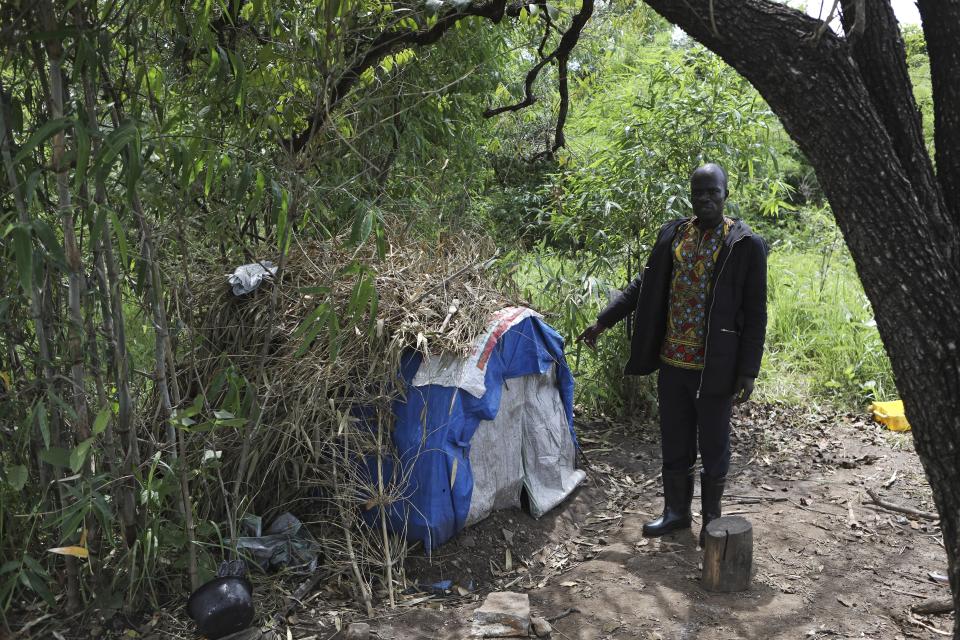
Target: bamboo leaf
(17, 476)
(121, 239)
(23, 250)
(101, 421)
(362, 224)
(46, 131)
(314, 316)
(31, 187)
(48, 238)
(76, 552)
(308, 338)
(56, 457)
(126, 134)
(40, 413)
(79, 455)
(83, 154)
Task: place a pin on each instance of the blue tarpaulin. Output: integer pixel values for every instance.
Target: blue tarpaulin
(435, 424)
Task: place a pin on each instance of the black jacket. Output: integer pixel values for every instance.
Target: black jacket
(736, 309)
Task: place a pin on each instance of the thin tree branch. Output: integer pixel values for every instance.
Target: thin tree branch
(381, 46)
(528, 98)
(561, 54)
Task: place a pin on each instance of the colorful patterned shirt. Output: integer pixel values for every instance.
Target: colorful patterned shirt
(694, 256)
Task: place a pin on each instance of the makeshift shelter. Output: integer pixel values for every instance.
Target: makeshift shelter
(472, 432)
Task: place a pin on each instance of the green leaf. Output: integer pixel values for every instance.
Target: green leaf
(23, 250)
(361, 295)
(362, 224)
(40, 411)
(17, 476)
(308, 338)
(48, 238)
(47, 130)
(31, 187)
(318, 315)
(211, 173)
(56, 456)
(79, 455)
(121, 240)
(101, 421)
(83, 154)
(124, 135)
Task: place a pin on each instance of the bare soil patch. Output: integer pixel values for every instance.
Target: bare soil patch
(827, 563)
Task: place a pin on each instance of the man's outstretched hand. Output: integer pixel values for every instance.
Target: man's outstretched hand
(590, 335)
(743, 389)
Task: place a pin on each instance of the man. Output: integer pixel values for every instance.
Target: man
(700, 317)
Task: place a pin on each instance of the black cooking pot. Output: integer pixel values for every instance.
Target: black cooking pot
(222, 606)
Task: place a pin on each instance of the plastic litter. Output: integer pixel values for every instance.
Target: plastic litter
(890, 414)
(224, 605)
(248, 277)
(286, 543)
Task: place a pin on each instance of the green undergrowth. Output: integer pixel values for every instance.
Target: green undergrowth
(822, 340)
(822, 343)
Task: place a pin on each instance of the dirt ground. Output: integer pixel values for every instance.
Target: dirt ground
(826, 563)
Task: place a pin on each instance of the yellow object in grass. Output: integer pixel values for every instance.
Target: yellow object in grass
(890, 414)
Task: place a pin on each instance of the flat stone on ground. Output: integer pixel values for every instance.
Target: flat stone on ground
(540, 627)
(503, 614)
(358, 631)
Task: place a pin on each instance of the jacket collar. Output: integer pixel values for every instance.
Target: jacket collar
(738, 231)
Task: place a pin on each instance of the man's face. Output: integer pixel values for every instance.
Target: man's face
(708, 192)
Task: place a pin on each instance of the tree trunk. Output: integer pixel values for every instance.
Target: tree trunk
(848, 104)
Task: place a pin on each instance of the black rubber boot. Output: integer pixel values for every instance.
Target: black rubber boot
(711, 491)
(677, 496)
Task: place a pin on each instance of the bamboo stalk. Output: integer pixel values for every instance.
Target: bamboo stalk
(113, 330)
(55, 101)
(348, 526)
(164, 371)
(383, 514)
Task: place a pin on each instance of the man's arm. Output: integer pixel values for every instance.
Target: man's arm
(619, 307)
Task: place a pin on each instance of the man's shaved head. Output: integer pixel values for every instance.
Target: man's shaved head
(713, 168)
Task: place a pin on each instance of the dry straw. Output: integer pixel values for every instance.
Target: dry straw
(327, 354)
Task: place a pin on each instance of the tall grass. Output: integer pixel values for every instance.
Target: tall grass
(822, 340)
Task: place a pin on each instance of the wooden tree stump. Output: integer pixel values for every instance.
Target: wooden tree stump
(728, 555)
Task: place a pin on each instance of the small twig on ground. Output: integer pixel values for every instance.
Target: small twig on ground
(812, 510)
(562, 614)
(905, 593)
(748, 499)
(889, 483)
(890, 506)
(920, 623)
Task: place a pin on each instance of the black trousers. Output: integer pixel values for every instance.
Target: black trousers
(683, 417)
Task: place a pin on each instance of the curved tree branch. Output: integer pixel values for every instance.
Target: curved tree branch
(528, 99)
(382, 45)
(568, 41)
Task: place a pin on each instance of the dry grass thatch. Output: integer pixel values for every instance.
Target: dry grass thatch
(296, 358)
